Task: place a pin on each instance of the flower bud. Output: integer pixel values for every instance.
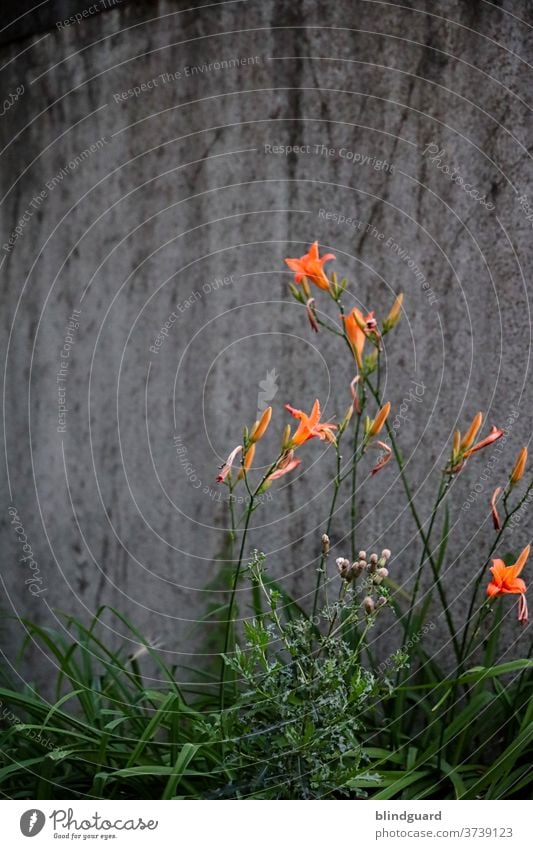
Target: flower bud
(383, 572)
(386, 553)
(381, 601)
(362, 555)
(260, 427)
(247, 462)
(470, 436)
(368, 605)
(394, 314)
(343, 565)
(380, 420)
(286, 437)
(519, 467)
(325, 544)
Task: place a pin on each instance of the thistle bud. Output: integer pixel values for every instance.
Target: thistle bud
(519, 467)
(358, 568)
(362, 555)
(373, 563)
(386, 554)
(325, 544)
(369, 605)
(380, 575)
(343, 566)
(381, 601)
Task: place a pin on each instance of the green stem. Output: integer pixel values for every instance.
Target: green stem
(229, 623)
(443, 488)
(323, 558)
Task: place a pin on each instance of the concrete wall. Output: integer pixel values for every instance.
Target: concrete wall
(136, 203)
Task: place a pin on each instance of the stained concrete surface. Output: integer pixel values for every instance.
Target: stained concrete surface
(179, 199)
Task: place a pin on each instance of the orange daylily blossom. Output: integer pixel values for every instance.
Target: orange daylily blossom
(310, 266)
(285, 465)
(310, 425)
(506, 580)
(225, 469)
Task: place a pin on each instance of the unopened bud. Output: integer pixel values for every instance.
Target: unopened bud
(369, 605)
(394, 315)
(286, 437)
(357, 568)
(519, 467)
(379, 421)
(325, 544)
(343, 566)
(260, 427)
(362, 555)
(306, 289)
(381, 601)
(386, 553)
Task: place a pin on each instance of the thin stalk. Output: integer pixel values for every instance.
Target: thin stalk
(443, 488)
(324, 556)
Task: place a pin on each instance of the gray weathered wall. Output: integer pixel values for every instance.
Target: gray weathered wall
(181, 190)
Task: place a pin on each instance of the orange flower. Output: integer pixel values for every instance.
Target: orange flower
(505, 581)
(353, 323)
(310, 425)
(310, 265)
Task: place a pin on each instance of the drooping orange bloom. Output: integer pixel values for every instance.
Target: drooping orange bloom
(495, 433)
(465, 447)
(353, 323)
(285, 465)
(506, 580)
(310, 265)
(227, 466)
(496, 521)
(310, 425)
